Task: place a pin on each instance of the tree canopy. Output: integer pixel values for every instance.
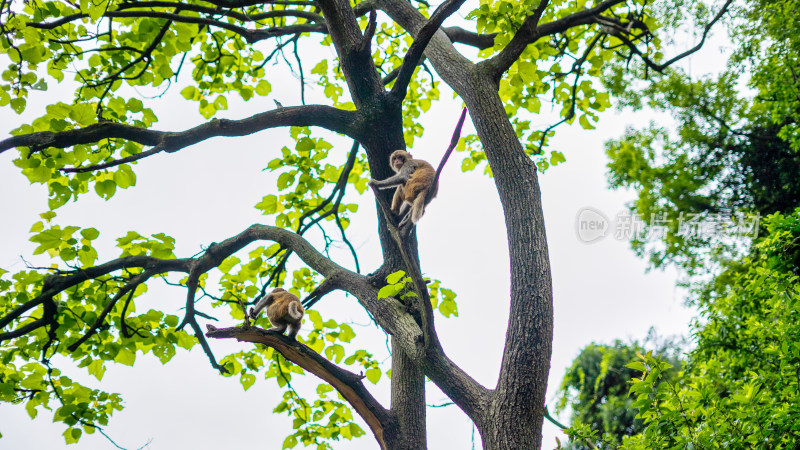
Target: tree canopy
(378, 65)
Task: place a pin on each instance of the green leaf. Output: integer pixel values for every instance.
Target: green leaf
(395, 277)
(268, 204)
(97, 368)
(263, 88)
(390, 290)
(72, 435)
(373, 375)
(247, 380)
(126, 357)
(89, 233)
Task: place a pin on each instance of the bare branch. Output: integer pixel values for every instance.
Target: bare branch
(369, 33)
(453, 143)
(416, 50)
(347, 383)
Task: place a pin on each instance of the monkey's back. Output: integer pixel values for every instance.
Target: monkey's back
(278, 311)
(419, 181)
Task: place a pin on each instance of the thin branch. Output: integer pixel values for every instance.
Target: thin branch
(251, 36)
(369, 33)
(458, 35)
(243, 17)
(576, 70)
(302, 227)
(453, 143)
(531, 31)
(130, 286)
(552, 420)
(414, 53)
(660, 67)
(333, 119)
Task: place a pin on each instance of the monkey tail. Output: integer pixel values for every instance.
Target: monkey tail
(295, 311)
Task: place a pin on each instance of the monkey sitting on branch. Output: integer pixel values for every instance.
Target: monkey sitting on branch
(413, 178)
(283, 310)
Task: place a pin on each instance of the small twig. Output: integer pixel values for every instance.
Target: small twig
(244, 311)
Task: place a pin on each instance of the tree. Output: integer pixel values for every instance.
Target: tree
(734, 148)
(595, 388)
(85, 310)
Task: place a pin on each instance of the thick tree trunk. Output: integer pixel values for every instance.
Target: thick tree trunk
(513, 417)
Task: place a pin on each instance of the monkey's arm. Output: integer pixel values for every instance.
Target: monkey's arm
(254, 312)
(396, 180)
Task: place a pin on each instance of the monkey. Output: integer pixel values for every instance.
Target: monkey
(414, 178)
(283, 310)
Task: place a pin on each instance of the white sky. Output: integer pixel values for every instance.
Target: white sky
(206, 193)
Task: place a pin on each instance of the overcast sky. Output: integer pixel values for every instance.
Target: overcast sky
(206, 193)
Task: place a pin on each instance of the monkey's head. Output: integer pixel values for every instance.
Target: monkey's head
(398, 158)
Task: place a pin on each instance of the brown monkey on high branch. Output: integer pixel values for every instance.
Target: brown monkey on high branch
(283, 310)
(414, 178)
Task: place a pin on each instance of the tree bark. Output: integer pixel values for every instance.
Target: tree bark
(408, 402)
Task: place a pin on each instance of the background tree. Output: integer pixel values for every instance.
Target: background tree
(86, 311)
(734, 147)
(733, 150)
(595, 389)
(739, 386)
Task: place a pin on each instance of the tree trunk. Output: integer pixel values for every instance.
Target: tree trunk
(408, 402)
(514, 417)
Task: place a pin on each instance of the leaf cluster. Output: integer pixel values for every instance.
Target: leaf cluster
(739, 386)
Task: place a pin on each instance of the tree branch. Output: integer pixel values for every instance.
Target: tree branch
(453, 143)
(130, 286)
(660, 67)
(347, 383)
(243, 17)
(421, 40)
(251, 36)
(461, 36)
(333, 119)
(355, 58)
(531, 31)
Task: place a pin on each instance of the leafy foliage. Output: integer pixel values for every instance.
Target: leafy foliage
(595, 389)
(739, 386)
(734, 149)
